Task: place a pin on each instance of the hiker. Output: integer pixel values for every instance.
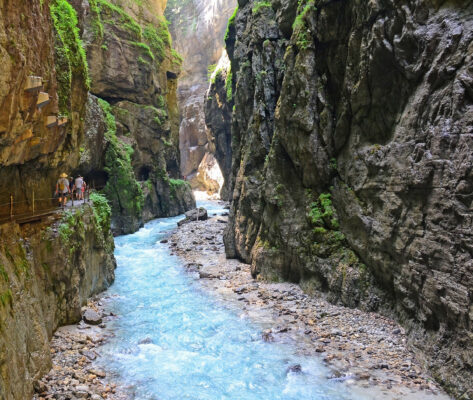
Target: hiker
(84, 186)
(78, 186)
(62, 189)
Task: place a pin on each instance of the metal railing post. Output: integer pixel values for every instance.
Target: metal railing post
(11, 206)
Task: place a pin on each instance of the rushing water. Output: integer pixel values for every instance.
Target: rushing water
(193, 346)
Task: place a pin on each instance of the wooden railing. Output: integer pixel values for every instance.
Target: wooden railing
(20, 210)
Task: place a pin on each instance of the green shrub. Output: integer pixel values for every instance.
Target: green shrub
(102, 211)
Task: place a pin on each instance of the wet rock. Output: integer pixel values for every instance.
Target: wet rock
(267, 336)
(295, 369)
(146, 340)
(92, 317)
(198, 214)
(206, 275)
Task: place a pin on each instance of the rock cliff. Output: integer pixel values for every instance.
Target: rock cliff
(43, 75)
(352, 165)
(198, 28)
(133, 155)
(218, 117)
(47, 273)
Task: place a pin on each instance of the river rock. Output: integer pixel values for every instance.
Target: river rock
(92, 317)
(146, 340)
(296, 369)
(197, 214)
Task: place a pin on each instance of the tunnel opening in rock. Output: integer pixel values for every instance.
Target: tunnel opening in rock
(143, 173)
(96, 179)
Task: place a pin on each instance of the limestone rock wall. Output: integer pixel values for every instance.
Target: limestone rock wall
(352, 160)
(31, 154)
(198, 28)
(134, 73)
(47, 273)
(218, 117)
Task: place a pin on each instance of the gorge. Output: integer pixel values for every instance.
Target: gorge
(339, 133)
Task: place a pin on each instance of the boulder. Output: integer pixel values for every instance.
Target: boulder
(197, 214)
(92, 317)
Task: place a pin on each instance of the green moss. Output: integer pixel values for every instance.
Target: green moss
(122, 189)
(66, 227)
(303, 37)
(229, 86)
(145, 48)
(158, 38)
(231, 23)
(102, 211)
(3, 274)
(178, 182)
(259, 5)
(299, 22)
(112, 14)
(210, 70)
(71, 229)
(175, 184)
(70, 54)
(160, 101)
(322, 211)
(176, 57)
(96, 20)
(6, 298)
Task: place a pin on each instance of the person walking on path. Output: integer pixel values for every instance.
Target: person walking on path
(78, 185)
(62, 189)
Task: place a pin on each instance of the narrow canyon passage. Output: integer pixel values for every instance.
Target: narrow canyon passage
(174, 341)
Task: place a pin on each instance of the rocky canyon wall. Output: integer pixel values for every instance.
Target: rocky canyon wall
(86, 87)
(48, 271)
(352, 166)
(109, 69)
(133, 153)
(31, 44)
(198, 28)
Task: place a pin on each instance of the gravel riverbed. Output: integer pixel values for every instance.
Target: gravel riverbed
(365, 350)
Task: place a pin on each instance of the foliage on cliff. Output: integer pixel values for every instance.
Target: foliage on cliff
(122, 189)
(70, 54)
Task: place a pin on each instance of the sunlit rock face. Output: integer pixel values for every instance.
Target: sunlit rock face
(197, 28)
(31, 153)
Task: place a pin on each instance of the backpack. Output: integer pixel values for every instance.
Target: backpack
(61, 185)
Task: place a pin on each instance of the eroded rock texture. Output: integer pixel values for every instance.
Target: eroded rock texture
(31, 154)
(134, 75)
(47, 273)
(198, 28)
(218, 118)
(352, 138)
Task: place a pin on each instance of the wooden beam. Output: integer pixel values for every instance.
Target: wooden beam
(43, 99)
(33, 83)
(51, 121)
